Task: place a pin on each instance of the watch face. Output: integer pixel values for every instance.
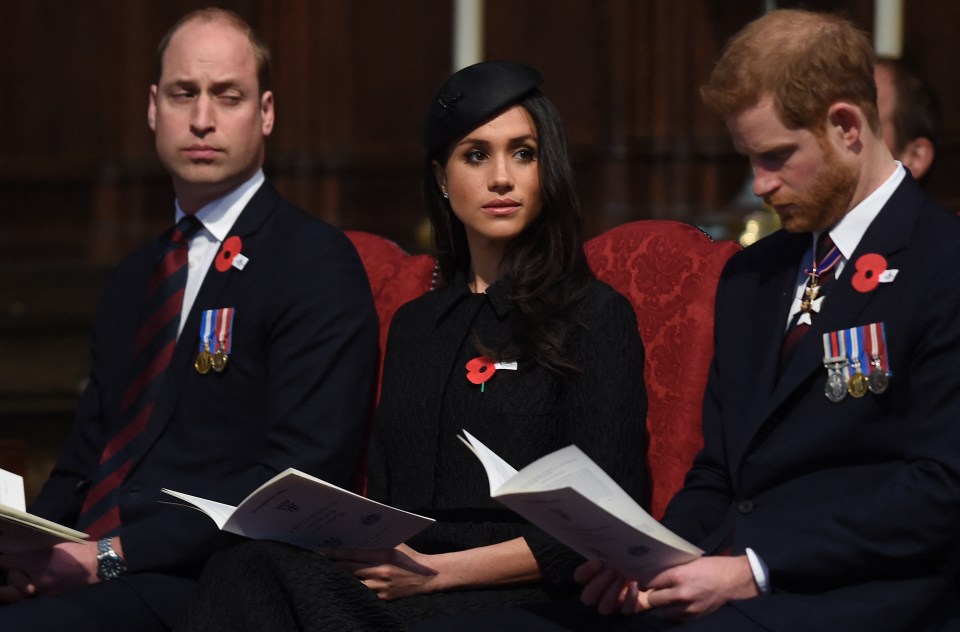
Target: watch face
(109, 564)
(110, 567)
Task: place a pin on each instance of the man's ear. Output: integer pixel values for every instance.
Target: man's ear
(152, 108)
(918, 156)
(847, 121)
(266, 112)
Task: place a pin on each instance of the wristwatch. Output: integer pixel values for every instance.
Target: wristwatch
(109, 563)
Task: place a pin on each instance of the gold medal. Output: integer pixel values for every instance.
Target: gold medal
(202, 363)
(858, 384)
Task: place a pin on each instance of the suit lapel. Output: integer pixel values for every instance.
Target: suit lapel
(214, 283)
(762, 335)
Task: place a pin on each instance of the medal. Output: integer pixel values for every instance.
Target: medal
(846, 355)
(835, 387)
(219, 359)
(857, 384)
(203, 361)
(216, 324)
(834, 360)
(812, 299)
(878, 380)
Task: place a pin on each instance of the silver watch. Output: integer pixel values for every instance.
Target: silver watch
(109, 563)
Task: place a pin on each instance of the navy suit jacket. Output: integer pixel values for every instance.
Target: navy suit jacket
(296, 392)
(856, 502)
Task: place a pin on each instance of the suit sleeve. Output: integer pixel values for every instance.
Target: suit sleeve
(698, 509)
(63, 493)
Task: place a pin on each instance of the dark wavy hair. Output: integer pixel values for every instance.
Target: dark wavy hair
(544, 271)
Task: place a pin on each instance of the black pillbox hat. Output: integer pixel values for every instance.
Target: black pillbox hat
(473, 95)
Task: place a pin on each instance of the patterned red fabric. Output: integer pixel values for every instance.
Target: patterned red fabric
(396, 277)
(669, 271)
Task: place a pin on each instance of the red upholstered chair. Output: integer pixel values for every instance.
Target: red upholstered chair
(396, 277)
(669, 272)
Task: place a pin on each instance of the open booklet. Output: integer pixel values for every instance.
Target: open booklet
(21, 531)
(306, 511)
(570, 497)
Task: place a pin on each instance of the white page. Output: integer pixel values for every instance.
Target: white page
(588, 529)
(11, 490)
(570, 467)
(300, 509)
(498, 470)
(220, 512)
(307, 511)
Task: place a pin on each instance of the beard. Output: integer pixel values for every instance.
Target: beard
(826, 200)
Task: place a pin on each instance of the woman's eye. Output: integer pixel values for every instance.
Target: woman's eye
(526, 155)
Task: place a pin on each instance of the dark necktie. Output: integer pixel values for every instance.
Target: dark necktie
(819, 279)
(153, 349)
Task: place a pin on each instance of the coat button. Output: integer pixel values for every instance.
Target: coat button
(745, 506)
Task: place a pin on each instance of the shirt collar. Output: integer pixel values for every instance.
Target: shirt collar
(219, 216)
(459, 290)
(850, 229)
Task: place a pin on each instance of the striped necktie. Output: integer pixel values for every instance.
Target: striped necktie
(153, 349)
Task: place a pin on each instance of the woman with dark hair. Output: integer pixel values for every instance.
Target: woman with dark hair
(562, 363)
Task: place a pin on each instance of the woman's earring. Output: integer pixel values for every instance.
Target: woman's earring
(446, 196)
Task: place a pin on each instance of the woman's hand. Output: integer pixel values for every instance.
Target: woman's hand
(390, 573)
(403, 572)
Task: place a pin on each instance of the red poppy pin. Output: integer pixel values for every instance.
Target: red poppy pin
(229, 255)
(869, 270)
(481, 369)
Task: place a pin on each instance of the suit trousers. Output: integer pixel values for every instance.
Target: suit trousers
(111, 606)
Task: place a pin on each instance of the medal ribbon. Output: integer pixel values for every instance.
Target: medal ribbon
(855, 337)
(206, 331)
(878, 346)
(827, 263)
(224, 330)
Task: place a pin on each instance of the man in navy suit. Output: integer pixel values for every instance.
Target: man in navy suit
(273, 365)
(827, 493)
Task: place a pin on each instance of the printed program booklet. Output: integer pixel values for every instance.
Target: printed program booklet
(570, 497)
(306, 511)
(21, 531)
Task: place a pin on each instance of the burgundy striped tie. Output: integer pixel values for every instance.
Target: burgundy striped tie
(153, 348)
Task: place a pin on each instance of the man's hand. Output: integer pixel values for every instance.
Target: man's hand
(64, 567)
(682, 592)
(391, 573)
